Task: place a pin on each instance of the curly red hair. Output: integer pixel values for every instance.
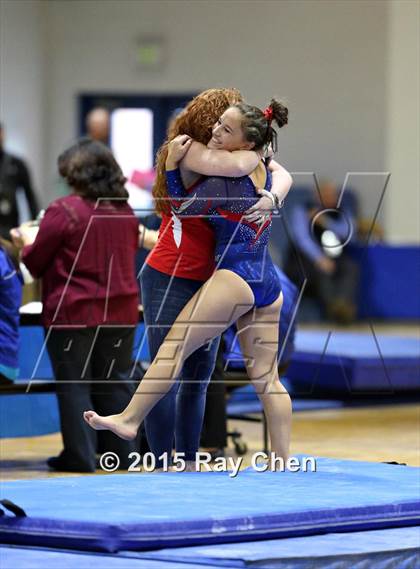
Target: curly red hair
(196, 120)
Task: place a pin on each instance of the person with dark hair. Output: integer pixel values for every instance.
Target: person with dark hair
(245, 287)
(63, 160)
(11, 284)
(180, 263)
(84, 253)
(14, 176)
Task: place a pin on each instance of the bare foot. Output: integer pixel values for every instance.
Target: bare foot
(114, 423)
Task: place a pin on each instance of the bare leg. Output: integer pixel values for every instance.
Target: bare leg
(220, 302)
(258, 335)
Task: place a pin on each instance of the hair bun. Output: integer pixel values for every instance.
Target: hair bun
(280, 112)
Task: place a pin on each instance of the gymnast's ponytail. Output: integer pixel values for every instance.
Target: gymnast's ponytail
(257, 124)
(278, 112)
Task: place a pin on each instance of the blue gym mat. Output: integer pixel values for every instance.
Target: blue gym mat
(23, 416)
(244, 400)
(354, 362)
(346, 362)
(389, 280)
(142, 512)
(382, 549)
(31, 558)
(37, 414)
(34, 361)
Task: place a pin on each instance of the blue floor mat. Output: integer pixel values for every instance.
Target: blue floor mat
(244, 401)
(31, 558)
(37, 414)
(131, 511)
(390, 548)
(34, 362)
(349, 362)
(255, 407)
(28, 415)
(382, 549)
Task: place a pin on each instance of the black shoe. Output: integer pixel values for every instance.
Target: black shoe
(218, 453)
(57, 463)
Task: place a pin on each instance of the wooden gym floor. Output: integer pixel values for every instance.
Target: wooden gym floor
(379, 433)
(376, 434)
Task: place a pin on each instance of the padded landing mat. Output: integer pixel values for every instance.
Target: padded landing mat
(350, 362)
(30, 558)
(244, 401)
(382, 549)
(28, 416)
(132, 511)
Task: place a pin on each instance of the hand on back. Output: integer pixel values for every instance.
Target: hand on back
(177, 149)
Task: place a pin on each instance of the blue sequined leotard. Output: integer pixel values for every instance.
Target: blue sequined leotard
(241, 246)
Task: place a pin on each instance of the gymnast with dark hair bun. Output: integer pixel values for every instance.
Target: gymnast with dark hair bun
(224, 200)
(244, 288)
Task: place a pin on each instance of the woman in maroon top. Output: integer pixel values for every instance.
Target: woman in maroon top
(85, 255)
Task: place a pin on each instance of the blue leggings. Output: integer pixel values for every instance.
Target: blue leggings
(179, 414)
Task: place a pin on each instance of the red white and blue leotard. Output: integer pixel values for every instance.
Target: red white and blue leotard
(241, 246)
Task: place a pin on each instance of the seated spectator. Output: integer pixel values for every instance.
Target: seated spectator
(10, 300)
(84, 253)
(320, 236)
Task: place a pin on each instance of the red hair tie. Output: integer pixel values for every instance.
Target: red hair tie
(268, 113)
